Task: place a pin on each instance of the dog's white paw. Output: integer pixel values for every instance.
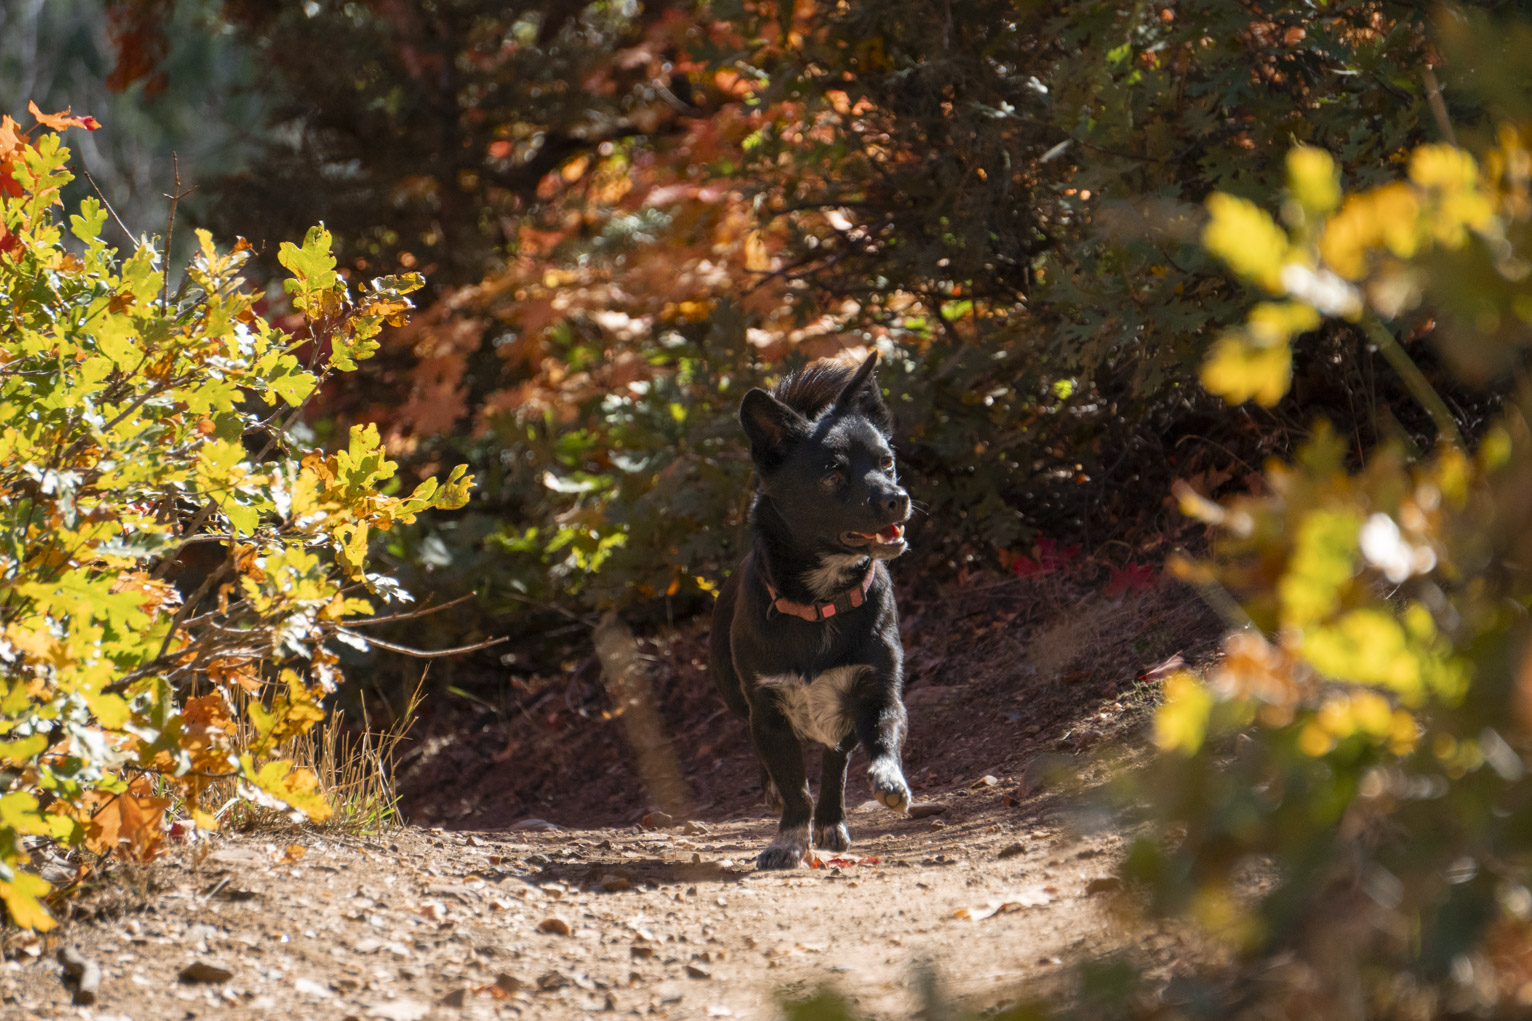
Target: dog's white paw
(832, 838)
(785, 852)
(888, 785)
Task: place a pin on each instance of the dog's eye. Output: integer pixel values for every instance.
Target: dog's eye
(888, 462)
(832, 480)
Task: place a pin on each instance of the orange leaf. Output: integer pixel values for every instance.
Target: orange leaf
(60, 121)
(130, 824)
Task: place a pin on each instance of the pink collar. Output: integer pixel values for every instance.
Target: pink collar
(812, 612)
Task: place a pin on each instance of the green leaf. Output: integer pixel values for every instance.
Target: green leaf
(244, 520)
(294, 786)
(86, 225)
(1240, 233)
(22, 750)
(18, 812)
(1313, 179)
(23, 895)
(1239, 368)
(1322, 562)
(291, 382)
(1181, 722)
(312, 266)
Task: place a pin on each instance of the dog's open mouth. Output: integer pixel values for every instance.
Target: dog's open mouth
(890, 535)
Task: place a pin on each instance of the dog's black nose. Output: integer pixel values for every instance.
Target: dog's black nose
(895, 504)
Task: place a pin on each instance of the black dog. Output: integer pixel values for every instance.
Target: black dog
(805, 640)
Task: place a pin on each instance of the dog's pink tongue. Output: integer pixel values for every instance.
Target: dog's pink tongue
(893, 533)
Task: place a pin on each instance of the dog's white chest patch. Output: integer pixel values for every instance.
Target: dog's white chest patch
(818, 710)
(834, 573)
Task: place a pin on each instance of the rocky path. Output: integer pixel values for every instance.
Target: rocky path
(672, 922)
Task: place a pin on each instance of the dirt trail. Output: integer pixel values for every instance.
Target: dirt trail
(1012, 689)
(433, 924)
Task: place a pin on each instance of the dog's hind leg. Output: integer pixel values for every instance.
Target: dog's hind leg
(782, 755)
(830, 833)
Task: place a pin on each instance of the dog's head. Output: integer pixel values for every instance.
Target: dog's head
(819, 441)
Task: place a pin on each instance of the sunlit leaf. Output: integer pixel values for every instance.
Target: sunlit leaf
(1244, 236)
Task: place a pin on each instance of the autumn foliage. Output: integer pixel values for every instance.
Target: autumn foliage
(630, 216)
(176, 563)
(1380, 685)
(1105, 249)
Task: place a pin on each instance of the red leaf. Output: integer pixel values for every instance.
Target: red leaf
(1133, 578)
(1025, 567)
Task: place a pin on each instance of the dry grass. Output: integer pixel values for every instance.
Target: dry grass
(355, 769)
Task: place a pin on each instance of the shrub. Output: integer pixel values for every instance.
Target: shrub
(176, 567)
(1382, 679)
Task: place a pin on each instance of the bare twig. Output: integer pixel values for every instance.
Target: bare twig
(1414, 380)
(1438, 105)
(424, 611)
(189, 605)
(170, 230)
(422, 653)
(102, 196)
(541, 605)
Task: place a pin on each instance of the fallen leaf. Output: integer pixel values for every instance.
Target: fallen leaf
(1032, 898)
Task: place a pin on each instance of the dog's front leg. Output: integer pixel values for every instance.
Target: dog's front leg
(782, 755)
(880, 726)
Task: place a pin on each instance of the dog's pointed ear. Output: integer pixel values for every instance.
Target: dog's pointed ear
(771, 425)
(861, 395)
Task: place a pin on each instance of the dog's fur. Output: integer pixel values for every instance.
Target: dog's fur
(827, 501)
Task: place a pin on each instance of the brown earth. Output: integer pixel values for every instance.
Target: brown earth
(485, 914)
